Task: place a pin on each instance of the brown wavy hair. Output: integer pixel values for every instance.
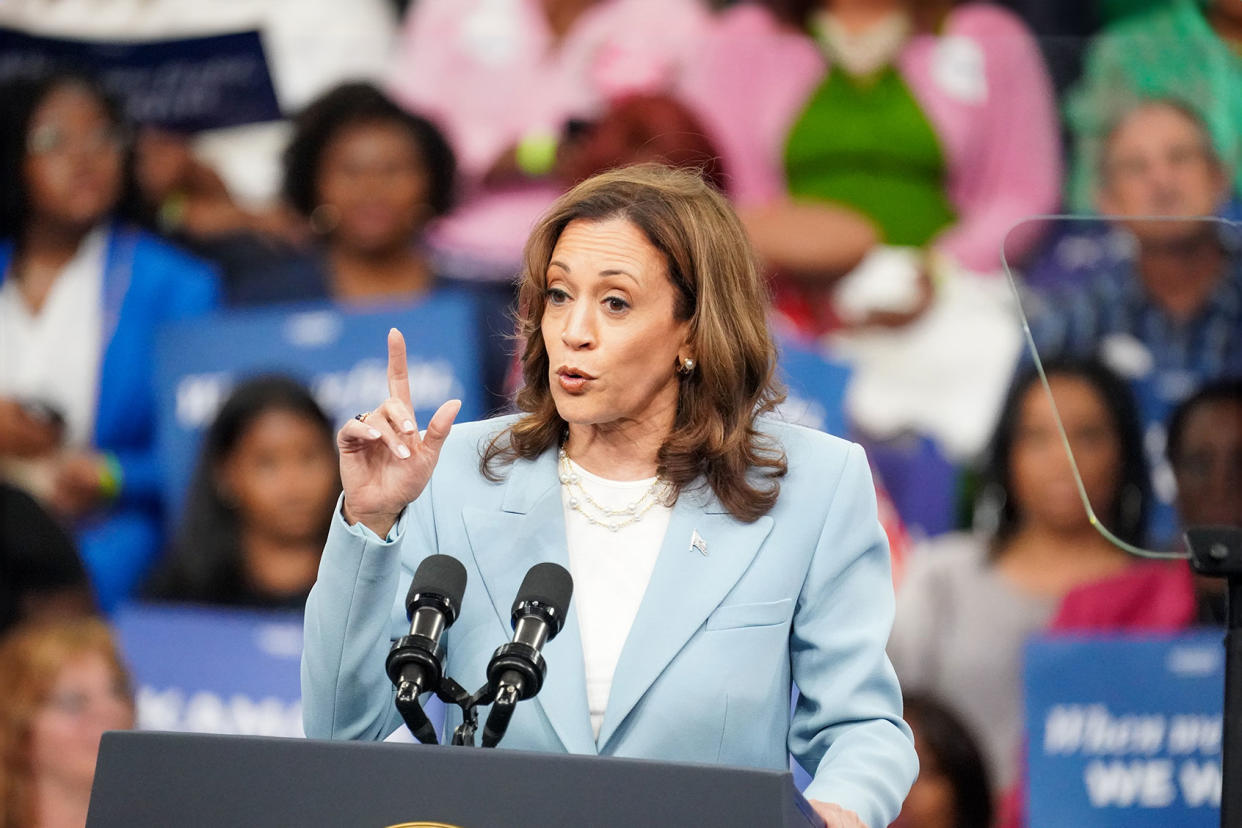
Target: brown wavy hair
(719, 290)
(31, 657)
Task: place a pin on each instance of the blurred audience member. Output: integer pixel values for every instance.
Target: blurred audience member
(82, 293)
(968, 602)
(310, 45)
(879, 152)
(508, 81)
(1205, 449)
(1168, 315)
(61, 686)
(368, 177)
(41, 575)
(254, 523)
(1184, 49)
(845, 124)
(952, 790)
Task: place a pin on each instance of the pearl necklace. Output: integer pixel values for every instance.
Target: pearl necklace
(580, 499)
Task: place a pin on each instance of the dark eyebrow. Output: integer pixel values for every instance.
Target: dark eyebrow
(603, 273)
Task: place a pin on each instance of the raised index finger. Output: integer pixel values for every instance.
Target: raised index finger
(398, 371)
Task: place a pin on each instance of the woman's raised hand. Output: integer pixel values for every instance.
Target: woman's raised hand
(384, 462)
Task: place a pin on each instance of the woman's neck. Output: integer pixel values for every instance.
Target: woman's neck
(278, 566)
(1051, 561)
(59, 805)
(860, 15)
(624, 451)
(1227, 25)
(44, 249)
(358, 275)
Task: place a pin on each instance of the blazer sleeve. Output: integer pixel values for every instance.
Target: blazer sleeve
(847, 730)
(352, 616)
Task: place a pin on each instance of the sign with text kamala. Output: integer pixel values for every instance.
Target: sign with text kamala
(1125, 731)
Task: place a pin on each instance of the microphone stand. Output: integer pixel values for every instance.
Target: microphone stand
(1216, 551)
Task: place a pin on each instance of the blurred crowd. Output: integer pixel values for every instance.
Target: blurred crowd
(918, 178)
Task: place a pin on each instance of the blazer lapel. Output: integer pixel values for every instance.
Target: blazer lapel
(704, 553)
(529, 529)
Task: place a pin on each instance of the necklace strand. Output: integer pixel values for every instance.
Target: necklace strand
(580, 498)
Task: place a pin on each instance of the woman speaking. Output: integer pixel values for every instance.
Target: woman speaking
(718, 555)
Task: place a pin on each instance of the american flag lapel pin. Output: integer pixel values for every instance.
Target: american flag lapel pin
(697, 542)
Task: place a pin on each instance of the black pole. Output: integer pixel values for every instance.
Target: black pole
(1231, 744)
(1216, 551)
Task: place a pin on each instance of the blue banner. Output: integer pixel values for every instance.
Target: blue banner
(340, 354)
(214, 671)
(187, 85)
(1125, 731)
(815, 388)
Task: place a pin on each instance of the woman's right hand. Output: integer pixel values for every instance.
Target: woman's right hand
(22, 434)
(384, 463)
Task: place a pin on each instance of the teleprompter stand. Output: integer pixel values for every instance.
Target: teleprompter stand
(145, 780)
(1216, 551)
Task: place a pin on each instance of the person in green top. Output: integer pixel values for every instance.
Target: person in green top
(1190, 50)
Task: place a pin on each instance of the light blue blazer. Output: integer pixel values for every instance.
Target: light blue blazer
(802, 595)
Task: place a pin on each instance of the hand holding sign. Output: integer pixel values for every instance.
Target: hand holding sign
(385, 464)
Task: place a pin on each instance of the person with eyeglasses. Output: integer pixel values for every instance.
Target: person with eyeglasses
(83, 290)
(62, 684)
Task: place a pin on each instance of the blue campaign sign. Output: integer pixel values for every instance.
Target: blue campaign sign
(815, 388)
(1125, 731)
(340, 354)
(214, 671)
(187, 84)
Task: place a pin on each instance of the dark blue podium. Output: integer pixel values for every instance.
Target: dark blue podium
(175, 779)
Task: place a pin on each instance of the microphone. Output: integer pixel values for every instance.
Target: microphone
(517, 669)
(415, 664)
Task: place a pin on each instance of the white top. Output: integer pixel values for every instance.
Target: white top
(53, 356)
(611, 571)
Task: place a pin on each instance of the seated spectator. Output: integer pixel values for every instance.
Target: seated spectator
(213, 180)
(968, 602)
(507, 81)
(952, 790)
(368, 176)
(845, 124)
(1168, 316)
(257, 513)
(41, 575)
(62, 685)
(83, 291)
(1183, 49)
(1205, 450)
(879, 153)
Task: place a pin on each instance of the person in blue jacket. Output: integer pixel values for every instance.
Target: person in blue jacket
(83, 292)
(719, 556)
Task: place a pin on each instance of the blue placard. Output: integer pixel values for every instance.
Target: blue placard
(1125, 731)
(814, 386)
(188, 84)
(340, 354)
(214, 671)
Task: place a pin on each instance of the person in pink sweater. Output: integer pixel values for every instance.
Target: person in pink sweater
(941, 110)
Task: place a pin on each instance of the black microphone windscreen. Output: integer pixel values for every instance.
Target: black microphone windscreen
(438, 575)
(549, 584)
